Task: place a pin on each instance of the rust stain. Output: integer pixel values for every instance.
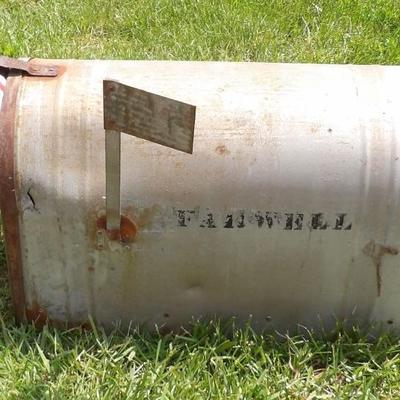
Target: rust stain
(61, 69)
(142, 217)
(126, 234)
(29, 67)
(376, 251)
(145, 216)
(222, 150)
(178, 164)
(37, 315)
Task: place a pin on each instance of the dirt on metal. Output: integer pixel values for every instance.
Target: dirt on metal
(376, 251)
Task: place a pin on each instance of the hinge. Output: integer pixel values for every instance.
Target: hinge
(31, 68)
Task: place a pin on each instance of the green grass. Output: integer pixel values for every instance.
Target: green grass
(328, 31)
(206, 362)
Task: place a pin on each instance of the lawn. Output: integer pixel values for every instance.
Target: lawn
(207, 361)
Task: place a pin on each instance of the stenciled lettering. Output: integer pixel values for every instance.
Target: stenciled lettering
(269, 220)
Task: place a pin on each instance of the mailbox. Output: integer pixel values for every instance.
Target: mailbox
(201, 189)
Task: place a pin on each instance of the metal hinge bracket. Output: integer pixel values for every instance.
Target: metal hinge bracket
(31, 68)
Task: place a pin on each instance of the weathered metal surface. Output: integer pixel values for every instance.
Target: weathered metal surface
(2, 84)
(8, 195)
(286, 211)
(148, 116)
(30, 67)
(113, 179)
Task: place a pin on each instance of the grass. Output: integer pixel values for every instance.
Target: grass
(323, 31)
(207, 362)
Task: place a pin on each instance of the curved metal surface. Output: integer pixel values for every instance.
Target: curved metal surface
(3, 81)
(287, 210)
(8, 201)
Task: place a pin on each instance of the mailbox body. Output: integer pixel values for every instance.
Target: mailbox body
(287, 212)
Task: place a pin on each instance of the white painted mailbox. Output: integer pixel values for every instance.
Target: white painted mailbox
(285, 207)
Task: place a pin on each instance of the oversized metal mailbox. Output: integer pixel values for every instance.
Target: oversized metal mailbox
(287, 210)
